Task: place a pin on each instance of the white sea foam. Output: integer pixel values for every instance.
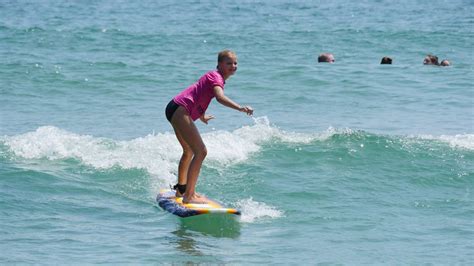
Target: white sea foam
(253, 211)
(464, 141)
(157, 153)
(263, 131)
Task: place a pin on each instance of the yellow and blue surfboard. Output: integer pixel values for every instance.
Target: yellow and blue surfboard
(169, 202)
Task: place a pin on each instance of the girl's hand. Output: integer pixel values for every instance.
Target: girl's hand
(205, 118)
(246, 109)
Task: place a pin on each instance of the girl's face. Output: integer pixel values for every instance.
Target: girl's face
(228, 66)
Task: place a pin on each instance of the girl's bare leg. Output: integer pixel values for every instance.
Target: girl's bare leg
(184, 162)
(188, 132)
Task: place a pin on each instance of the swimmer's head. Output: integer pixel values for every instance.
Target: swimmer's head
(386, 61)
(445, 63)
(431, 60)
(326, 58)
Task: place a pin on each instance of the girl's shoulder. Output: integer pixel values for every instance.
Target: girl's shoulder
(214, 76)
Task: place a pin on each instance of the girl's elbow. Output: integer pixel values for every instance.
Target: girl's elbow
(220, 100)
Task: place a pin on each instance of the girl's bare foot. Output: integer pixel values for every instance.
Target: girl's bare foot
(195, 198)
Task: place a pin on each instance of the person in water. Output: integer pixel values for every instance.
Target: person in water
(187, 107)
(386, 61)
(445, 62)
(431, 60)
(326, 58)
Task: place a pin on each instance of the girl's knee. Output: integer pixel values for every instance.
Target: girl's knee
(188, 154)
(201, 152)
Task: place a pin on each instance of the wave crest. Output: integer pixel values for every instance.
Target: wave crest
(159, 153)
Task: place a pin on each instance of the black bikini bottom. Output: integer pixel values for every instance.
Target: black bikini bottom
(170, 109)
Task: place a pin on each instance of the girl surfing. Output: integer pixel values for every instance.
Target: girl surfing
(187, 107)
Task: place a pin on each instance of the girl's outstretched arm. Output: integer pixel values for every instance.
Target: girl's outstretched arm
(226, 101)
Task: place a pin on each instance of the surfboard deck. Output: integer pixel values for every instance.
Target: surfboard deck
(169, 202)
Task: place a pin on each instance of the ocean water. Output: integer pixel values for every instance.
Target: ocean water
(346, 163)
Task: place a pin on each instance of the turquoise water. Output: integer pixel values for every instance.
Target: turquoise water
(348, 163)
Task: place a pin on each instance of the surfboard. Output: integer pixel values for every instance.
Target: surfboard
(169, 202)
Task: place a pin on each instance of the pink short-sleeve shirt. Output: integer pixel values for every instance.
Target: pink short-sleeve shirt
(196, 98)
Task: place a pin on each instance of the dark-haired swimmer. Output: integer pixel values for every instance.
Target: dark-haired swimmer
(431, 60)
(386, 61)
(326, 58)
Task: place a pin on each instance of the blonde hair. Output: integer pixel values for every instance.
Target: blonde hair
(225, 54)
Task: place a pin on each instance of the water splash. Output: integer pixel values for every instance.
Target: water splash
(253, 211)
